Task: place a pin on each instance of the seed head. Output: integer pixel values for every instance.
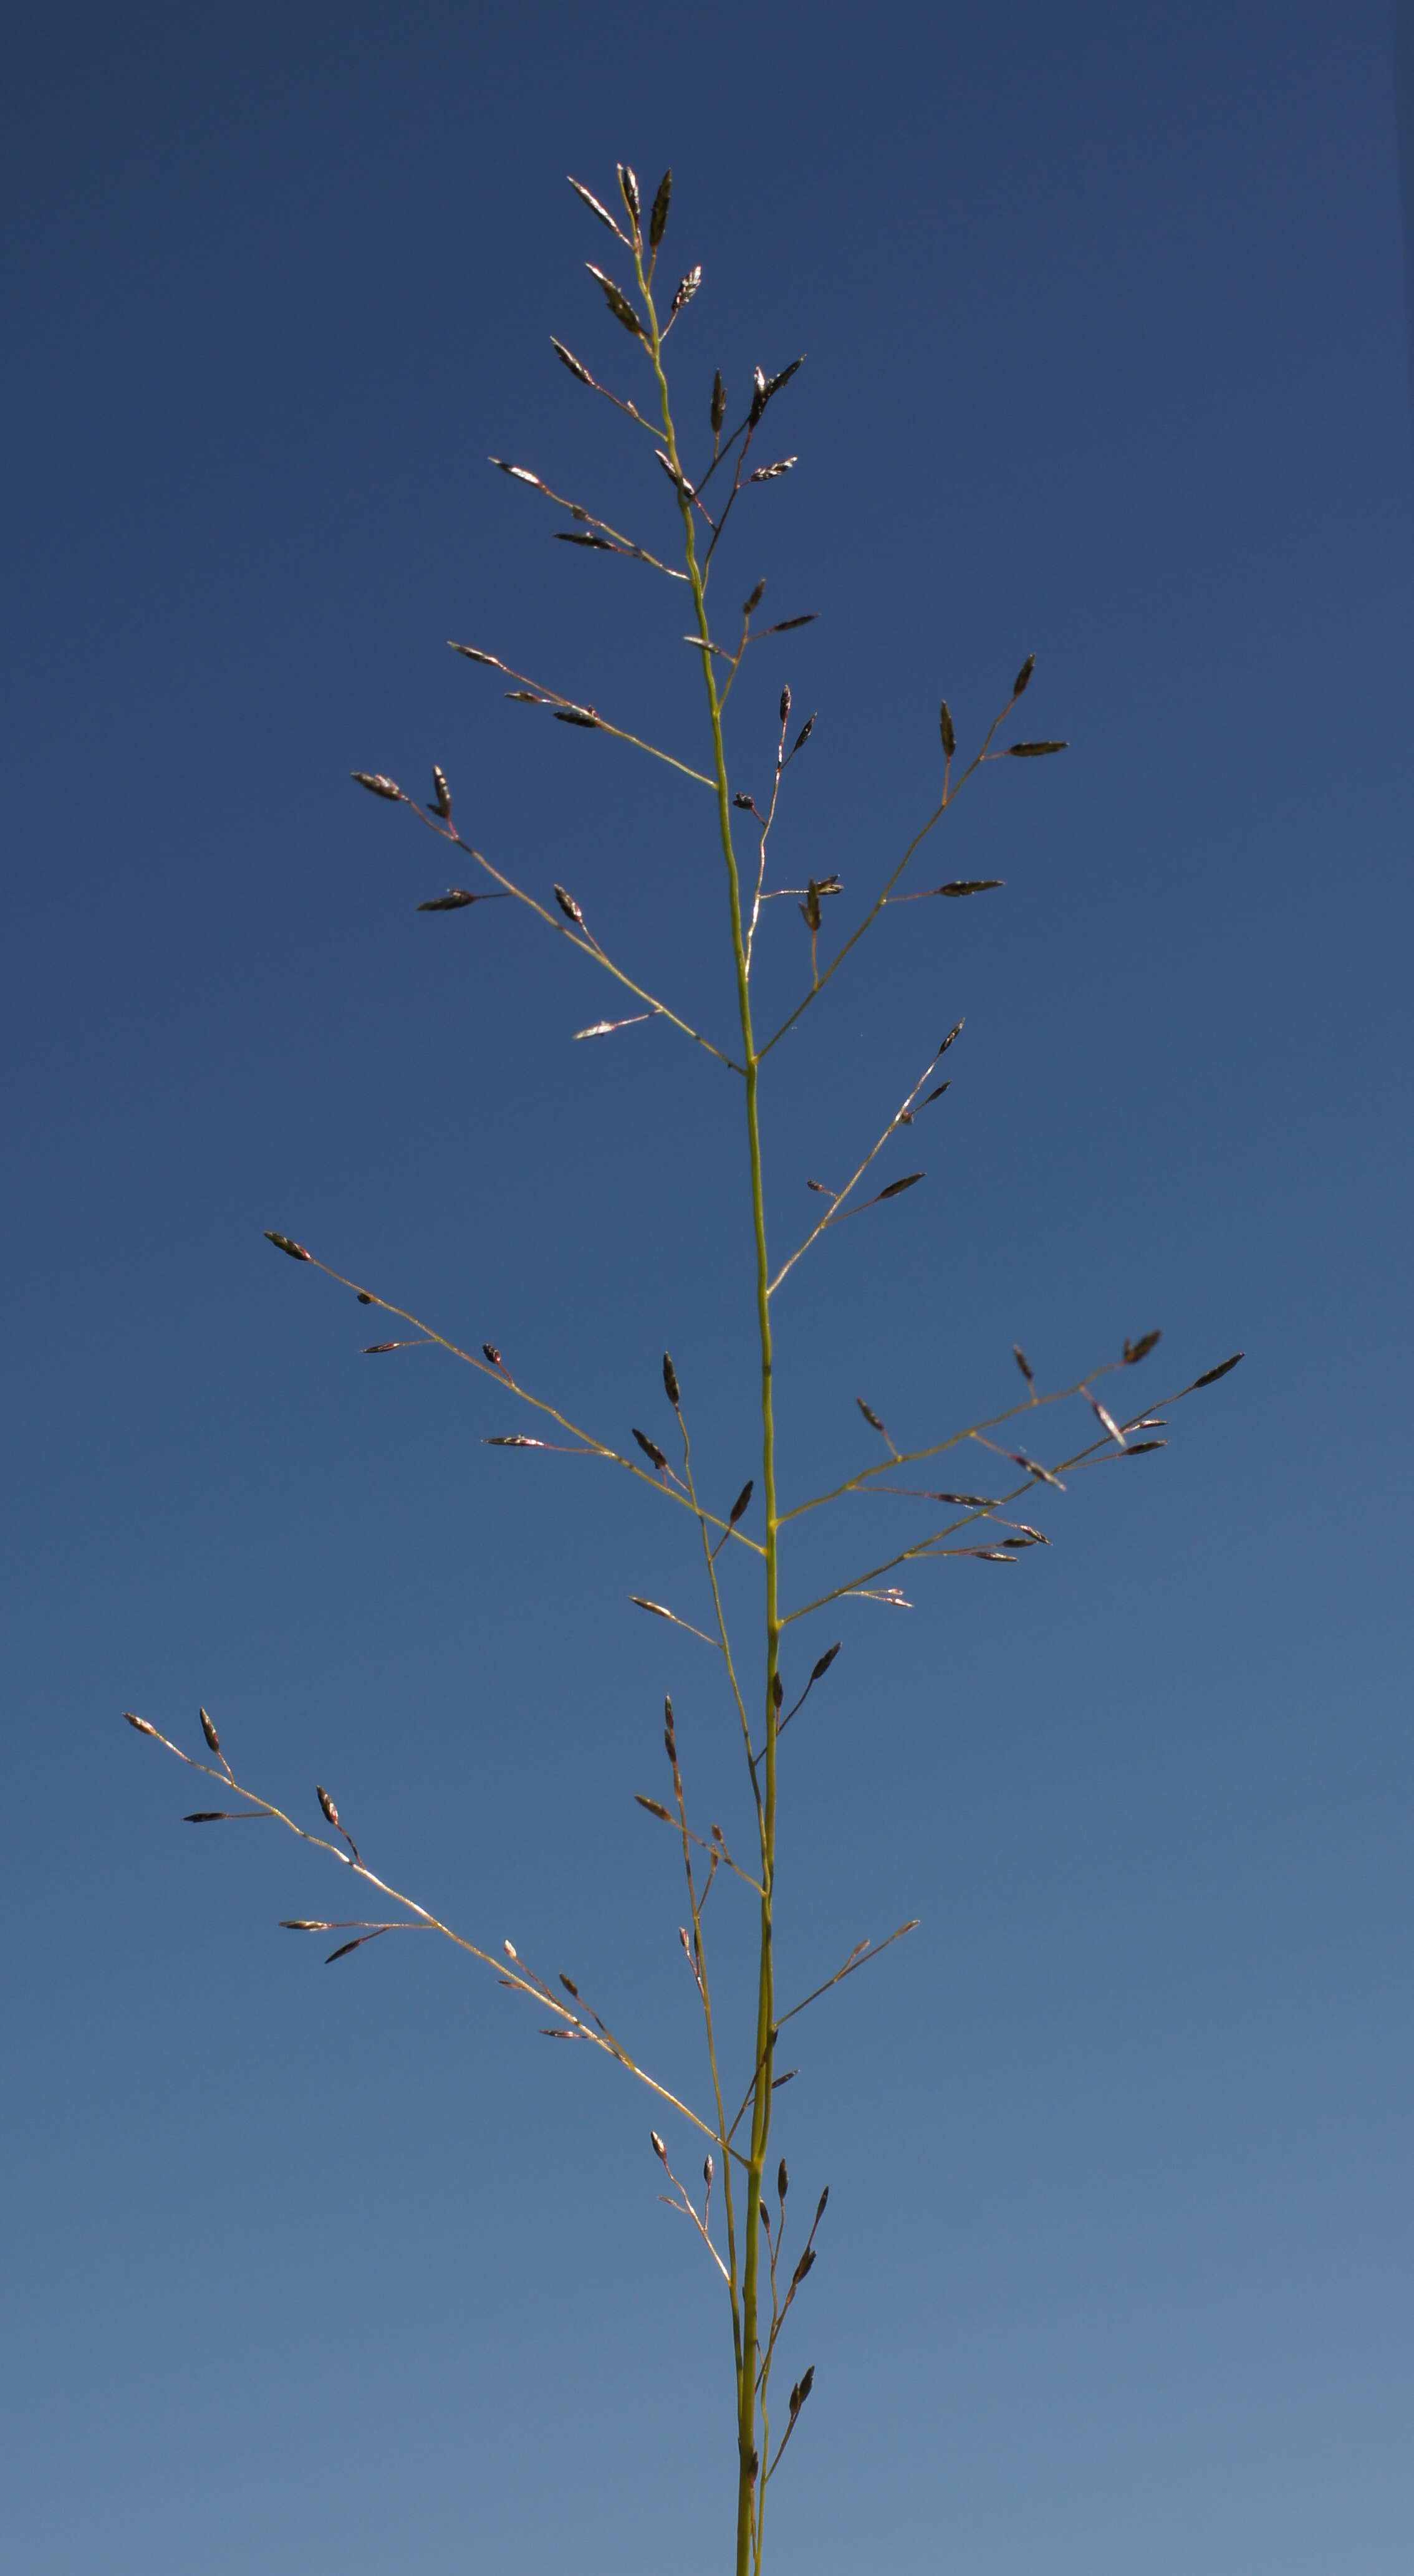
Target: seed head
(670, 1381)
(331, 1812)
(285, 1243)
(568, 906)
(209, 1731)
(741, 1502)
(628, 190)
(568, 359)
(719, 404)
(659, 2150)
(1023, 677)
(947, 729)
(441, 793)
(658, 219)
(378, 785)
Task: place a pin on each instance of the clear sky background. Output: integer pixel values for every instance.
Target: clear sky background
(309, 2272)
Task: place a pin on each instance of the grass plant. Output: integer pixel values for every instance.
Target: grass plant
(740, 2209)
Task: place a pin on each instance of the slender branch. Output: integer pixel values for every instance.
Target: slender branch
(950, 792)
(592, 1448)
(837, 1210)
(587, 945)
(521, 1980)
(576, 707)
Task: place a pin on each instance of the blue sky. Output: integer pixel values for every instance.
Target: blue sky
(1105, 325)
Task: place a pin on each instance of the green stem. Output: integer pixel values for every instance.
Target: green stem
(751, 2468)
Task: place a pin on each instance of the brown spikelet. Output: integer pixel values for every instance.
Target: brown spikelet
(658, 218)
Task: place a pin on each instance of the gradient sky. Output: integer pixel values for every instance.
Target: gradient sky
(310, 2272)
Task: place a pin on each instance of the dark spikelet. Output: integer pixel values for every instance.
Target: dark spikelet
(586, 198)
(870, 1417)
(810, 909)
(654, 1807)
(577, 716)
(568, 359)
(708, 2170)
(782, 2180)
(967, 1502)
(303, 1923)
(1139, 1350)
(371, 1349)
(572, 537)
(569, 1985)
(785, 705)
(750, 605)
(746, 804)
(803, 737)
(441, 793)
(719, 409)
(377, 784)
(492, 1354)
(771, 473)
(1033, 750)
(823, 1666)
(954, 1032)
(1023, 1363)
(616, 300)
(346, 1946)
(1211, 1376)
(658, 218)
(1138, 1448)
(659, 2150)
(778, 1690)
(210, 1816)
(786, 625)
(1033, 1467)
(455, 899)
(286, 1243)
(907, 1183)
(947, 729)
(568, 906)
(671, 1388)
(473, 653)
(937, 1095)
(628, 190)
(971, 885)
(804, 2267)
(363, 1297)
(511, 1440)
(687, 288)
(650, 1450)
(331, 1812)
(741, 1502)
(209, 1731)
(1022, 682)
